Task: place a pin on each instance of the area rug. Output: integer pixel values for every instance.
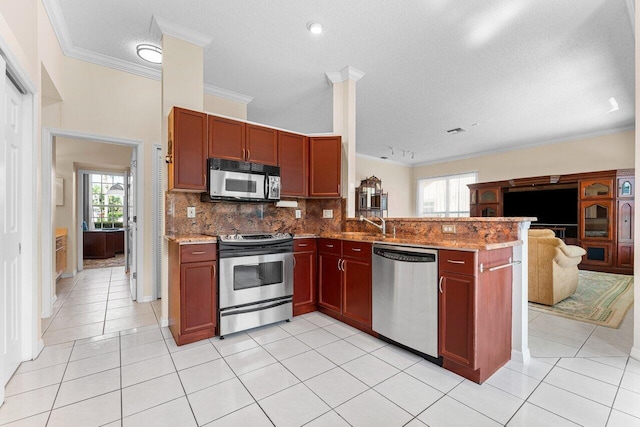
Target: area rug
(601, 298)
(115, 261)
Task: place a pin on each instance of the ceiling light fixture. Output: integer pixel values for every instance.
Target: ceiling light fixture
(614, 105)
(149, 53)
(314, 27)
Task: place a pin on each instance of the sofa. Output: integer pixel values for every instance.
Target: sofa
(553, 267)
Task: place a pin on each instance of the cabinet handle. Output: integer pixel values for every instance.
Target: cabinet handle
(453, 261)
(294, 262)
(440, 284)
(329, 246)
(198, 253)
(303, 245)
(248, 154)
(356, 249)
(214, 270)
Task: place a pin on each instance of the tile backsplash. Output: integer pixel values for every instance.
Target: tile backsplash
(226, 217)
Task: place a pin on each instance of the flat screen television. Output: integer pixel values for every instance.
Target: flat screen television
(550, 206)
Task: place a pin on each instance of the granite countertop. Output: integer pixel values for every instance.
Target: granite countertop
(60, 232)
(410, 240)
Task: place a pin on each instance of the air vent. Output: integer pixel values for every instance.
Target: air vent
(455, 131)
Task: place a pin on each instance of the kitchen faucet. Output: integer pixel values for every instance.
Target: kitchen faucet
(382, 226)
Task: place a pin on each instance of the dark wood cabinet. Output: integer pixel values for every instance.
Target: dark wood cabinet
(344, 280)
(475, 311)
(261, 145)
(293, 159)
(234, 140)
(98, 244)
(187, 150)
(304, 276)
(192, 292)
(325, 156)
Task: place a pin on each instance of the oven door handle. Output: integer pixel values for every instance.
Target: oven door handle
(256, 307)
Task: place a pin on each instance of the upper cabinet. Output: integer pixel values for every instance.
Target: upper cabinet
(626, 187)
(325, 154)
(234, 140)
(187, 150)
(596, 188)
(293, 159)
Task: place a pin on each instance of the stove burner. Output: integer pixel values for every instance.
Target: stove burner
(248, 238)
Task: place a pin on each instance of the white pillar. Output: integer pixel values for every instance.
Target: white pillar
(519, 298)
(635, 350)
(344, 124)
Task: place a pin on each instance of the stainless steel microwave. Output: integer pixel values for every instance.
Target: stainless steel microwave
(242, 181)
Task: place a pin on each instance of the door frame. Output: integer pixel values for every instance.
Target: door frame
(48, 140)
(32, 343)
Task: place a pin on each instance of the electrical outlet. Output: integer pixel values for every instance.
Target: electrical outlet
(298, 213)
(191, 212)
(449, 228)
(327, 213)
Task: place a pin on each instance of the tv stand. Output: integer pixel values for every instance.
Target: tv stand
(605, 210)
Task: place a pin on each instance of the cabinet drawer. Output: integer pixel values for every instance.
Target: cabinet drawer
(303, 245)
(457, 262)
(361, 250)
(198, 252)
(331, 246)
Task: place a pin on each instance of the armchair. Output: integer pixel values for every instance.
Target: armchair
(553, 267)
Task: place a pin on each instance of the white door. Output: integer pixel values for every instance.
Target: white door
(10, 227)
(132, 227)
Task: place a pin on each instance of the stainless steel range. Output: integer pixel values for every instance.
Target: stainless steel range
(256, 280)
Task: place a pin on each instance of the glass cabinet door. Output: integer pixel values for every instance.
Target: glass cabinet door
(625, 187)
(596, 220)
(489, 195)
(597, 188)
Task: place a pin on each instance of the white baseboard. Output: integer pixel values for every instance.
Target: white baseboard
(54, 299)
(519, 356)
(164, 323)
(146, 299)
(635, 353)
(39, 348)
(67, 275)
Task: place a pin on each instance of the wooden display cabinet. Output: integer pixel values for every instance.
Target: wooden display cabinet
(304, 276)
(599, 188)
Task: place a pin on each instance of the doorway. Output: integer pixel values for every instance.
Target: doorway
(49, 138)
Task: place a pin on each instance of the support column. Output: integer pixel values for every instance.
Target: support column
(634, 13)
(182, 86)
(519, 298)
(344, 124)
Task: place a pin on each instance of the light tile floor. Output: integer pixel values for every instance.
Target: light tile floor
(311, 371)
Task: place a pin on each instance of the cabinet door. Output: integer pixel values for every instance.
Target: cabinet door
(596, 220)
(325, 154)
(489, 195)
(293, 159)
(329, 282)
(457, 318)
(597, 253)
(304, 282)
(600, 188)
(624, 256)
(490, 210)
(261, 145)
(625, 220)
(357, 290)
(226, 139)
(187, 148)
(626, 187)
(198, 297)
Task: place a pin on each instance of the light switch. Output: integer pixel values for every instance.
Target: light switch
(191, 212)
(298, 213)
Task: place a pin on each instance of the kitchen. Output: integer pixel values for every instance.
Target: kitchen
(262, 213)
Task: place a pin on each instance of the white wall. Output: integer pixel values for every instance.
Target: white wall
(396, 181)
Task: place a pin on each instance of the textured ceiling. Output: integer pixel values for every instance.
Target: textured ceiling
(525, 71)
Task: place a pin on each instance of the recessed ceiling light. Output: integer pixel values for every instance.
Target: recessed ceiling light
(150, 53)
(314, 27)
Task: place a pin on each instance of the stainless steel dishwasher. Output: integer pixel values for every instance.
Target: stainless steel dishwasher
(405, 296)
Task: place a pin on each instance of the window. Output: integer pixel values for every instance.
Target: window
(446, 196)
(107, 208)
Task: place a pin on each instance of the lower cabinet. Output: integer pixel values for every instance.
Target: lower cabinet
(192, 292)
(304, 276)
(344, 281)
(475, 311)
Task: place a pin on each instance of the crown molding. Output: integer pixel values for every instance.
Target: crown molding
(172, 29)
(227, 94)
(347, 73)
(53, 9)
(117, 64)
